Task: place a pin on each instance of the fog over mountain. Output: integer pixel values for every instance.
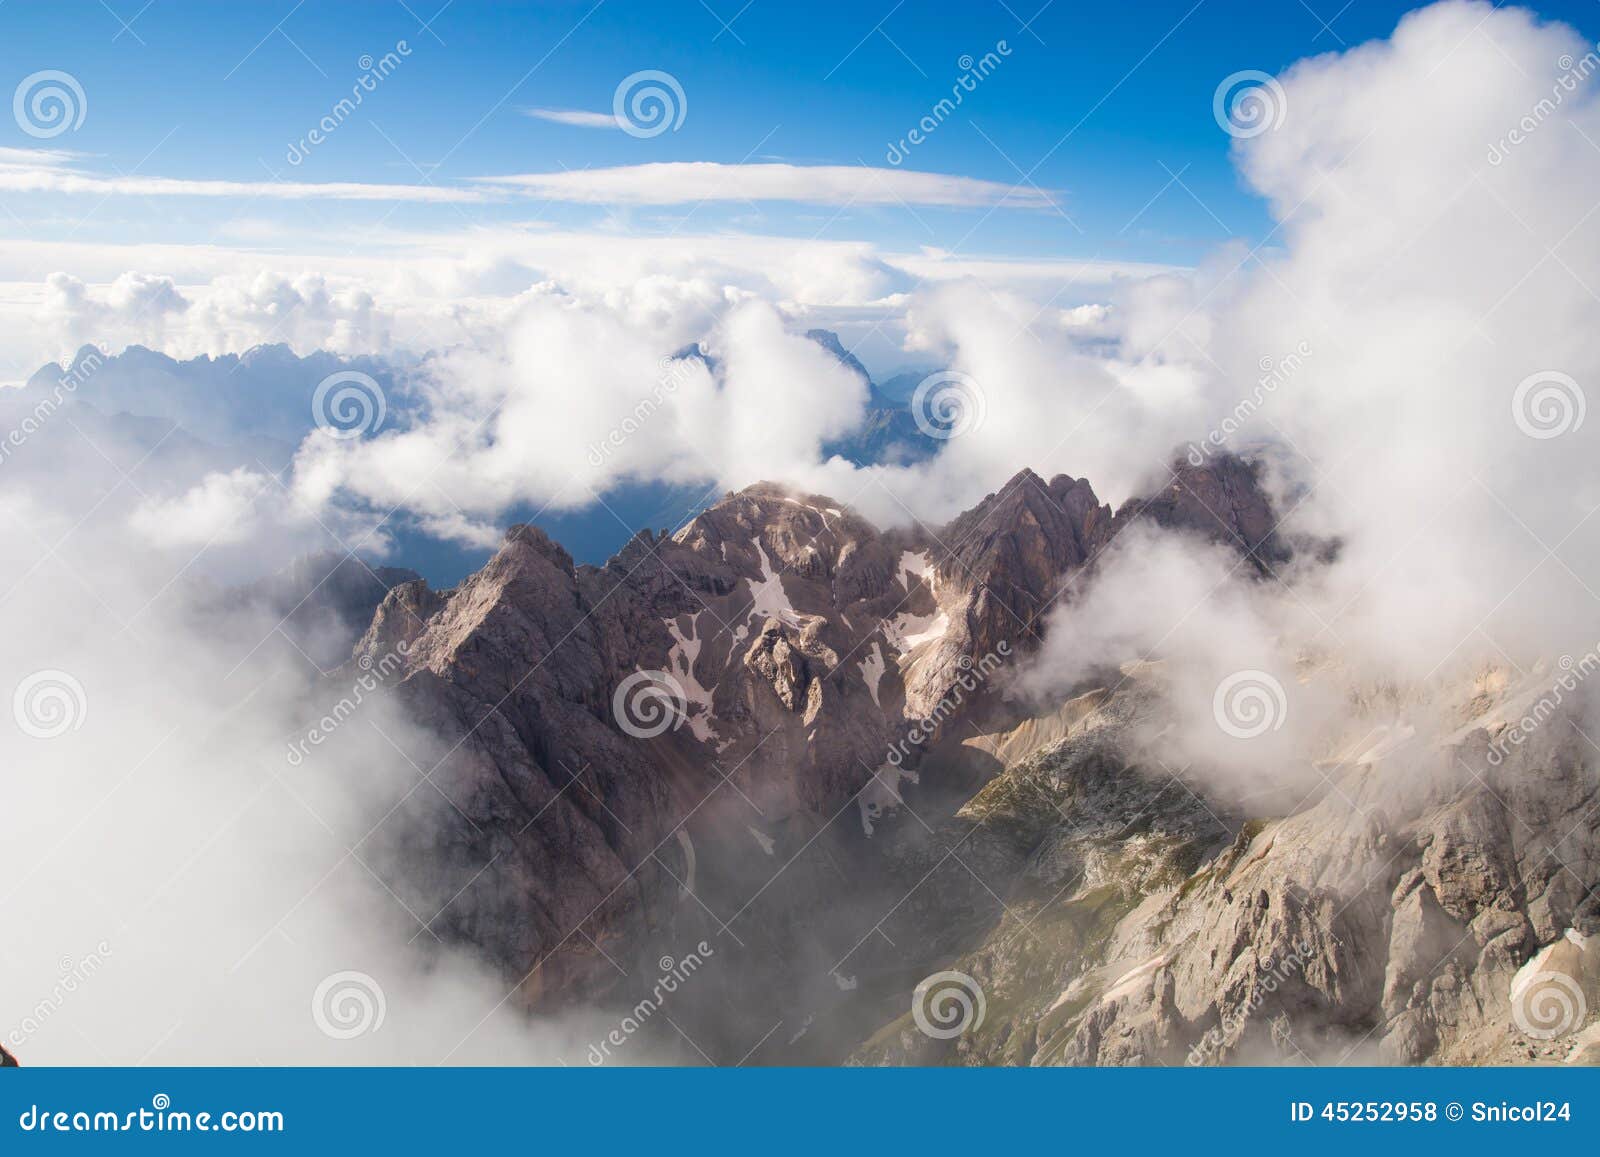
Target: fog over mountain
(1193, 673)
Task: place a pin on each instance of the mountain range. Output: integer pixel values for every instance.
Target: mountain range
(795, 741)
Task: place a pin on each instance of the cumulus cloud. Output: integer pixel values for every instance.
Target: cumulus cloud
(306, 312)
(1421, 270)
(1432, 276)
(191, 894)
(434, 290)
(1416, 284)
(1416, 354)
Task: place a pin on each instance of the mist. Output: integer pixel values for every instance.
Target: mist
(1411, 411)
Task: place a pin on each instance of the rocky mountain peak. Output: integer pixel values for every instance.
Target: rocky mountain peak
(757, 671)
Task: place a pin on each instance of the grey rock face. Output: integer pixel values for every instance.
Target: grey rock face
(1113, 910)
(797, 642)
(1390, 920)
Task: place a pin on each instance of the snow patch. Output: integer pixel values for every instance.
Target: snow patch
(767, 842)
(824, 511)
(872, 668)
(687, 845)
(908, 632)
(1130, 980)
(881, 794)
(680, 664)
(768, 599)
(914, 563)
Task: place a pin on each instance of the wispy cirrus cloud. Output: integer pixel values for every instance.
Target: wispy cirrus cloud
(662, 183)
(53, 171)
(582, 118)
(692, 182)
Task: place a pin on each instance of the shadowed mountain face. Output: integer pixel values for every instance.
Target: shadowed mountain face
(703, 737)
(778, 742)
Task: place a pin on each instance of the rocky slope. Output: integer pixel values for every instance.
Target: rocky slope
(1432, 901)
(777, 738)
(747, 674)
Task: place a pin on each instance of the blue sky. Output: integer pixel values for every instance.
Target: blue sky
(1107, 108)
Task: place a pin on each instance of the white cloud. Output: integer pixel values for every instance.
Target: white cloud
(663, 183)
(574, 116)
(219, 509)
(694, 182)
(419, 291)
(1419, 274)
(53, 179)
(1426, 281)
